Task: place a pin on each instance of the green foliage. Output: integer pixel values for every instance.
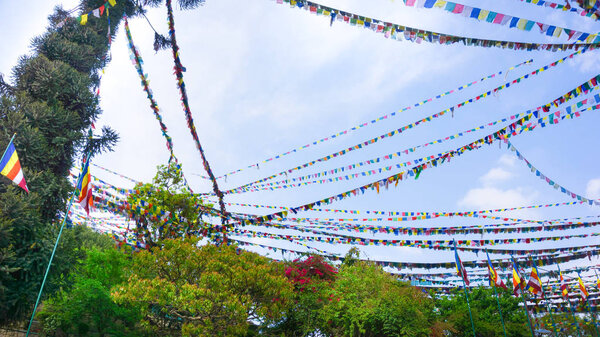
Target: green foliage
(204, 291)
(87, 307)
(486, 317)
(367, 301)
(166, 209)
(50, 106)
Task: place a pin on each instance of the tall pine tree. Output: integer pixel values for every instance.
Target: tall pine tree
(50, 105)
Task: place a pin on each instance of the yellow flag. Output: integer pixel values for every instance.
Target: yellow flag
(112, 3)
(83, 19)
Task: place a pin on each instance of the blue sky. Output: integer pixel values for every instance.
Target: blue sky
(264, 78)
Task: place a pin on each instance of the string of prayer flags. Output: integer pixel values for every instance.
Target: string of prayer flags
(10, 166)
(546, 108)
(392, 155)
(542, 260)
(179, 69)
(502, 134)
(429, 161)
(417, 35)
(137, 61)
(565, 8)
(98, 12)
(504, 228)
(484, 15)
(335, 239)
(411, 214)
(550, 181)
(376, 120)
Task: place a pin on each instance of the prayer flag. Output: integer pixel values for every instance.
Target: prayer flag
(516, 278)
(460, 268)
(10, 166)
(584, 292)
(535, 284)
(84, 18)
(563, 287)
(85, 188)
(494, 277)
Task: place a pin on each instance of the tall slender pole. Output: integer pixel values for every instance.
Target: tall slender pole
(523, 298)
(37, 302)
(548, 304)
(526, 309)
(11, 140)
(495, 292)
(462, 276)
(469, 306)
(590, 310)
(570, 306)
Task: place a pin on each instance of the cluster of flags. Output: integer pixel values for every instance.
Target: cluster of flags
(534, 284)
(10, 167)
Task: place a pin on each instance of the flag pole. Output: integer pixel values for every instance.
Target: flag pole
(590, 309)
(523, 298)
(548, 304)
(466, 293)
(37, 302)
(570, 305)
(496, 293)
(6, 150)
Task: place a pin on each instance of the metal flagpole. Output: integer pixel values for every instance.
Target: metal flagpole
(37, 302)
(570, 306)
(496, 293)
(523, 298)
(6, 150)
(590, 310)
(544, 296)
(462, 276)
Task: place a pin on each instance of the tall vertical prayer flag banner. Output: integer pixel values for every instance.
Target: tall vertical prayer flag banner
(495, 279)
(460, 268)
(519, 288)
(534, 284)
(516, 279)
(563, 286)
(85, 189)
(582, 289)
(10, 166)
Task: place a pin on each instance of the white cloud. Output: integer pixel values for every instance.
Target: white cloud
(507, 160)
(592, 189)
(495, 175)
(493, 197)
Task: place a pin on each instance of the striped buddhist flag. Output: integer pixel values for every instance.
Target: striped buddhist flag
(516, 278)
(85, 188)
(494, 277)
(460, 268)
(563, 286)
(11, 167)
(584, 292)
(534, 284)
